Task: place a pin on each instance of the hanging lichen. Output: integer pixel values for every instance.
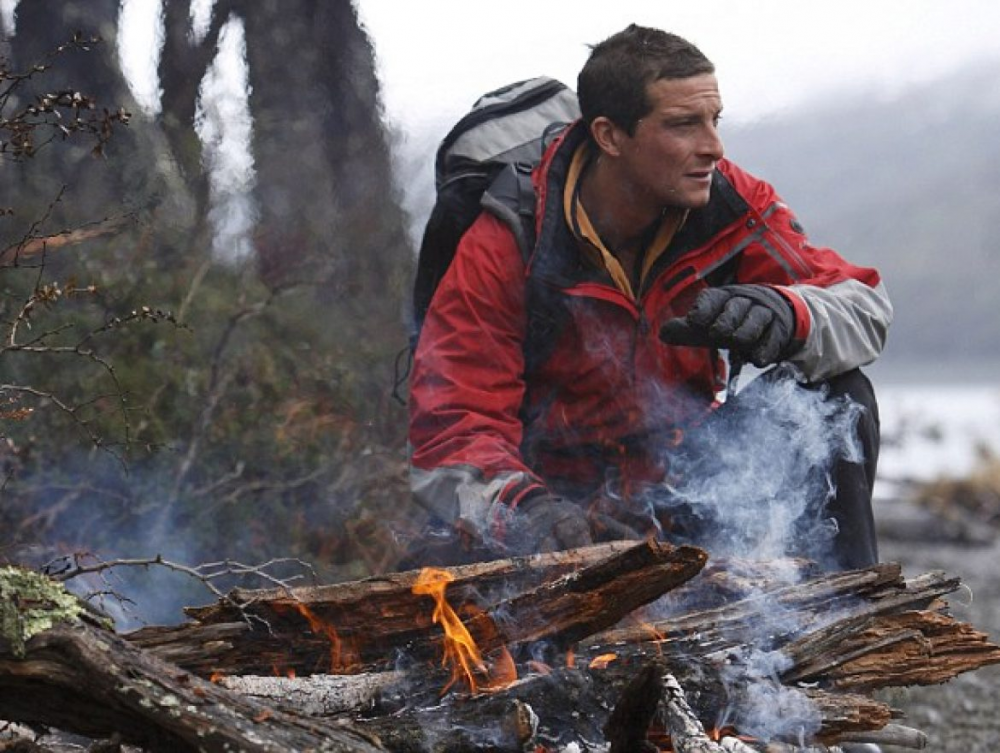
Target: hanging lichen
(30, 603)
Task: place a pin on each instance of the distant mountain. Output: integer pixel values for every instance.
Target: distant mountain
(910, 185)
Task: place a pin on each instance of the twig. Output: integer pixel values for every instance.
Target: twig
(30, 233)
(218, 380)
(32, 244)
(65, 568)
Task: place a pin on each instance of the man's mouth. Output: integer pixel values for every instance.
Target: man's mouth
(705, 175)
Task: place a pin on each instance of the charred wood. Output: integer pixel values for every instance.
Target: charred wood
(627, 727)
(840, 635)
(857, 630)
(686, 731)
(378, 597)
(567, 705)
(805, 602)
(846, 631)
(364, 625)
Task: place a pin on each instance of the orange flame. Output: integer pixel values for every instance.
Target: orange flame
(342, 658)
(461, 653)
(656, 637)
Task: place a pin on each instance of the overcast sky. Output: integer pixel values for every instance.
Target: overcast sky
(437, 56)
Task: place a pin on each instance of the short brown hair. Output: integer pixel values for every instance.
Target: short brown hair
(613, 81)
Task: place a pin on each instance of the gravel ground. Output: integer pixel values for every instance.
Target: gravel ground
(962, 716)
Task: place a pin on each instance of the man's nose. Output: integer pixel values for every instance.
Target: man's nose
(711, 145)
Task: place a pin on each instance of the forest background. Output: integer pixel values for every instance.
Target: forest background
(199, 354)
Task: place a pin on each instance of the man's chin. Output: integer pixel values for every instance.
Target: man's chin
(694, 201)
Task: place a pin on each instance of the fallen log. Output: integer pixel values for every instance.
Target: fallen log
(58, 668)
(340, 631)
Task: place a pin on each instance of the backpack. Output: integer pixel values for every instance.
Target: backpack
(485, 162)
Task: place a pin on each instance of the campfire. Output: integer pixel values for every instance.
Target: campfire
(623, 647)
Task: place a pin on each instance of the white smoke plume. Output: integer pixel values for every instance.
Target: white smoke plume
(755, 479)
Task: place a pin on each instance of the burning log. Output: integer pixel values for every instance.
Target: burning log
(654, 688)
(840, 634)
(361, 626)
(856, 630)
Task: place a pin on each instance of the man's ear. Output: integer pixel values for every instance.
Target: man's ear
(607, 135)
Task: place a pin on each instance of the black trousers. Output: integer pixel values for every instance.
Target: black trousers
(856, 543)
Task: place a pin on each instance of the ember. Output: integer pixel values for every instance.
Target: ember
(602, 661)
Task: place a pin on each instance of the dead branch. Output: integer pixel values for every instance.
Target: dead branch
(76, 565)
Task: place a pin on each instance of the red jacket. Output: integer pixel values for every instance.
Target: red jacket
(485, 434)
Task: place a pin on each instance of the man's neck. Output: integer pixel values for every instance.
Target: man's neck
(622, 218)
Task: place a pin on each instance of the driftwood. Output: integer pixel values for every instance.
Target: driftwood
(857, 630)
(85, 679)
(840, 635)
(363, 626)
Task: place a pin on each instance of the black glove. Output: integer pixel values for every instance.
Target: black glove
(550, 523)
(755, 321)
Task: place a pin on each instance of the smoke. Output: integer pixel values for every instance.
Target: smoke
(766, 709)
(754, 480)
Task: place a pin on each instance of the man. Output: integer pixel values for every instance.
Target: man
(653, 254)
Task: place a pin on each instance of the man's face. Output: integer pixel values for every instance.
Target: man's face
(669, 159)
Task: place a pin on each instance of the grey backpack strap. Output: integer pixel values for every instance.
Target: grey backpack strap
(511, 199)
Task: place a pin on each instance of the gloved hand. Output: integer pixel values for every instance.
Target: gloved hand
(550, 523)
(755, 321)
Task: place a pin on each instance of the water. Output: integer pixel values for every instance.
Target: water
(937, 430)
